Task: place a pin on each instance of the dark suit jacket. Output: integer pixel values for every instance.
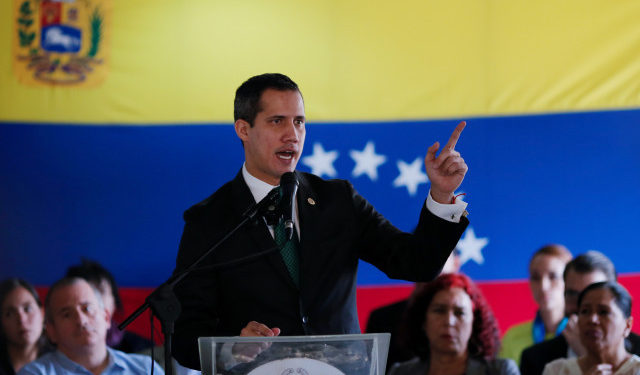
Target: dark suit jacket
(387, 319)
(337, 227)
(535, 357)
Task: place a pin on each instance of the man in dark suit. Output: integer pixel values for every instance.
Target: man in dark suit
(590, 267)
(309, 289)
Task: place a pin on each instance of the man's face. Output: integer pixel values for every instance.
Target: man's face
(78, 324)
(545, 281)
(274, 144)
(574, 284)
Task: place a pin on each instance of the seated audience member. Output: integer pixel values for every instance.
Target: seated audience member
(77, 323)
(389, 317)
(547, 287)
(604, 321)
(103, 280)
(21, 334)
(452, 330)
(583, 270)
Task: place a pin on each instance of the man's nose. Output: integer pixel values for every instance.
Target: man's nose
(290, 132)
(80, 318)
(545, 283)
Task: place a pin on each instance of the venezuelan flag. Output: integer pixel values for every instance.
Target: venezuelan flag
(116, 116)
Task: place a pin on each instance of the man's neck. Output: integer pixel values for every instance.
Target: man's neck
(551, 318)
(94, 359)
(267, 179)
(259, 189)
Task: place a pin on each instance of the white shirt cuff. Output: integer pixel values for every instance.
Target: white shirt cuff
(450, 212)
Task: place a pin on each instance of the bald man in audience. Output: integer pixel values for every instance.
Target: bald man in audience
(77, 323)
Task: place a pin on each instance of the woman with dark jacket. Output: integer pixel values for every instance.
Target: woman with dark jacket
(452, 330)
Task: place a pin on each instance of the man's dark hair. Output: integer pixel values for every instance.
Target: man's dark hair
(94, 273)
(592, 261)
(247, 102)
(620, 295)
(64, 282)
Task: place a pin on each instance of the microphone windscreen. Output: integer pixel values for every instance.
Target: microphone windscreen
(288, 178)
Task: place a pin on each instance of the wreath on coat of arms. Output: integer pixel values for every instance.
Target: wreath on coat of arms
(54, 57)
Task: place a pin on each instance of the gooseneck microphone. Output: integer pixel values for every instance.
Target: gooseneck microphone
(289, 186)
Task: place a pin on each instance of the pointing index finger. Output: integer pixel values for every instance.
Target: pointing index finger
(451, 144)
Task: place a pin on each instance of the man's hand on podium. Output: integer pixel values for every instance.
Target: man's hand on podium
(247, 352)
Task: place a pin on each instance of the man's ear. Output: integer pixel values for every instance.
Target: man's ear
(51, 332)
(107, 318)
(242, 129)
(628, 327)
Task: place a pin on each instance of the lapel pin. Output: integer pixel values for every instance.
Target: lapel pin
(311, 201)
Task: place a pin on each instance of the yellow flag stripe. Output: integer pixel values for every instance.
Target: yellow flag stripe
(180, 61)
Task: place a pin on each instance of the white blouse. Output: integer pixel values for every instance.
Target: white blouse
(569, 366)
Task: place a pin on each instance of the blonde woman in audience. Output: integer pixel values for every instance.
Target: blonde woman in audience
(21, 338)
(547, 286)
(604, 321)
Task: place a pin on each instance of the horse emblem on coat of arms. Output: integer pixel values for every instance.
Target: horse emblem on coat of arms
(61, 42)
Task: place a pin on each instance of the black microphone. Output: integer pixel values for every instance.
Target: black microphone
(289, 186)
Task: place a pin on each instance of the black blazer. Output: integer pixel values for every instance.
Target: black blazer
(337, 227)
(534, 358)
(387, 319)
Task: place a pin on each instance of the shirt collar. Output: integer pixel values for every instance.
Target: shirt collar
(74, 367)
(115, 360)
(259, 189)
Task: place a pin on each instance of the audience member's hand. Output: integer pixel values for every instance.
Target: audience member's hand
(247, 352)
(572, 335)
(446, 171)
(600, 369)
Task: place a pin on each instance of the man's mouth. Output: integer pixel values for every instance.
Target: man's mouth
(285, 155)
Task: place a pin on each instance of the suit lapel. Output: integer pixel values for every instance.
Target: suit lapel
(257, 232)
(308, 204)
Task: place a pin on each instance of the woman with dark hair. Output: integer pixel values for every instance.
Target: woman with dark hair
(453, 331)
(604, 321)
(22, 318)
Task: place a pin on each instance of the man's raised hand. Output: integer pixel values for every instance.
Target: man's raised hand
(447, 170)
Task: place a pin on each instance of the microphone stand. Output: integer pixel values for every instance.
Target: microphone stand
(163, 302)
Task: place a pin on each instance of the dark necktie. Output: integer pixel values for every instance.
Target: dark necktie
(288, 249)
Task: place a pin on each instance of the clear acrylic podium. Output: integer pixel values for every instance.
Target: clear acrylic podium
(352, 354)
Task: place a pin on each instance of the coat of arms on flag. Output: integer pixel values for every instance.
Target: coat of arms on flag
(61, 42)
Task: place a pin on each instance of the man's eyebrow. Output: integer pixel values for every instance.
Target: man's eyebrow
(63, 309)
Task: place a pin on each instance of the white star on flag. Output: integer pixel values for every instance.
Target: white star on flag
(470, 247)
(411, 175)
(367, 161)
(321, 162)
